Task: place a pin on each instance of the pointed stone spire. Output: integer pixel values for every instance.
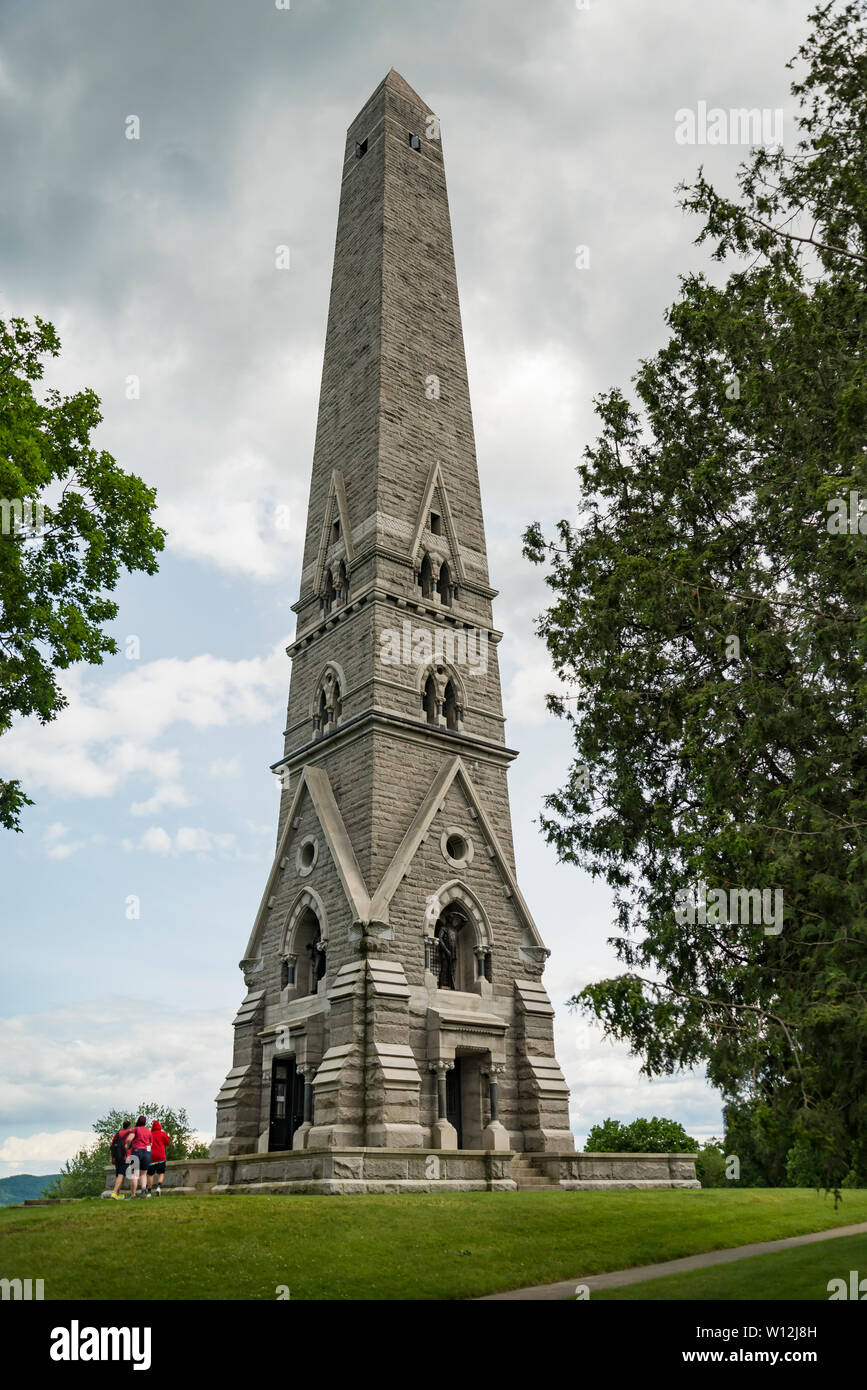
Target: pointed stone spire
(394, 399)
(393, 966)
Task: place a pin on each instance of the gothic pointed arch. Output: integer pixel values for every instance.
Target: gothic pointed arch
(426, 580)
(307, 901)
(454, 891)
(328, 591)
(444, 585)
(326, 706)
(441, 695)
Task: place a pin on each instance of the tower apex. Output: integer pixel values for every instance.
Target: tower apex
(398, 85)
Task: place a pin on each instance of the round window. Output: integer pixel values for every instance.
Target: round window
(306, 856)
(456, 847)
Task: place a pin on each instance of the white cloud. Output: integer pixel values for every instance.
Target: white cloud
(108, 732)
(169, 795)
(225, 767)
(73, 1065)
(58, 847)
(188, 839)
(605, 1080)
(156, 840)
(532, 680)
(232, 524)
(44, 1152)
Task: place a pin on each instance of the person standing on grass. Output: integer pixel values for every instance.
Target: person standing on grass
(160, 1141)
(140, 1151)
(120, 1154)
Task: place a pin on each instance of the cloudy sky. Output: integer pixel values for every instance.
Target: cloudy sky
(155, 259)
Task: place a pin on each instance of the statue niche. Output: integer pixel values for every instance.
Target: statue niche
(452, 957)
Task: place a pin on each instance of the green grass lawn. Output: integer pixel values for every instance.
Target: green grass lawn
(802, 1273)
(458, 1245)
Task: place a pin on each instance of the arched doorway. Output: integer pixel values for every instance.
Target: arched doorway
(287, 1102)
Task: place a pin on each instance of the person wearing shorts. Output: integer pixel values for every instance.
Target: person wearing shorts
(140, 1152)
(124, 1135)
(159, 1143)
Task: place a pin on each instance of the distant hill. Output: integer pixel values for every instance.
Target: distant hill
(23, 1186)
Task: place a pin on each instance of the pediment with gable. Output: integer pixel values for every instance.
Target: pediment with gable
(435, 498)
(453, 806)
(313, 804)
(336, 509)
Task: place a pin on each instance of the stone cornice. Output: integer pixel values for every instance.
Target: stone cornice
(374, 592)
(412, 729)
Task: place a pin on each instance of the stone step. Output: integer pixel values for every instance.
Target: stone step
(530, 1176)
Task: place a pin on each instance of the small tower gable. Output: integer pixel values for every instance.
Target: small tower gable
(336, 543)
(435, 528)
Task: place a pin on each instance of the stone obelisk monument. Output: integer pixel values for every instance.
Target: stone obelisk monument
(395, 1033)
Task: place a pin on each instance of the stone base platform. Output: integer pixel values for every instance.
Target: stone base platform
(590, 1172)
(340, 1172)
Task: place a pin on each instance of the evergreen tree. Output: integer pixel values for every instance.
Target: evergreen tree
(710, 627)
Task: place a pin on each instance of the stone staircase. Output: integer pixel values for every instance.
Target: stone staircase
(528, 1173)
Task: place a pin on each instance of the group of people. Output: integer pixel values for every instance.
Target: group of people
(139, 1153)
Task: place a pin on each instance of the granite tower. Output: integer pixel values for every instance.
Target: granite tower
(395, 1032)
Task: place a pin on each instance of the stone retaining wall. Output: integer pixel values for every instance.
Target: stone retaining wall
(338, 1172)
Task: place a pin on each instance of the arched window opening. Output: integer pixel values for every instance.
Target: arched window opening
(328, 592)
(444, 585)
(450, 706)
(329, 706)
(429, 700)
(453, 962)
(425, 578)
(310, 954)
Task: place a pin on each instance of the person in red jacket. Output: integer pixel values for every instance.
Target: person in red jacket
(160, 1141)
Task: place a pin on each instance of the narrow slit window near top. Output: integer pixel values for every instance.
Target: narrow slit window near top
(360, 148)
(414, 142)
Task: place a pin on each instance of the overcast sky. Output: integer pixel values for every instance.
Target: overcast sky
(155, 259)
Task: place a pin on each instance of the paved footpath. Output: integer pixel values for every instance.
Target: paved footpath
(616, 1278)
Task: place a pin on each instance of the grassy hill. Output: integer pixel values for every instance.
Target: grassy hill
(457, 1245)
(22, 1187)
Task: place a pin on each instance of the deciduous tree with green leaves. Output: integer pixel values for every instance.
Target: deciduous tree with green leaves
(84, 1174)
(56, 573)
(709, 626)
